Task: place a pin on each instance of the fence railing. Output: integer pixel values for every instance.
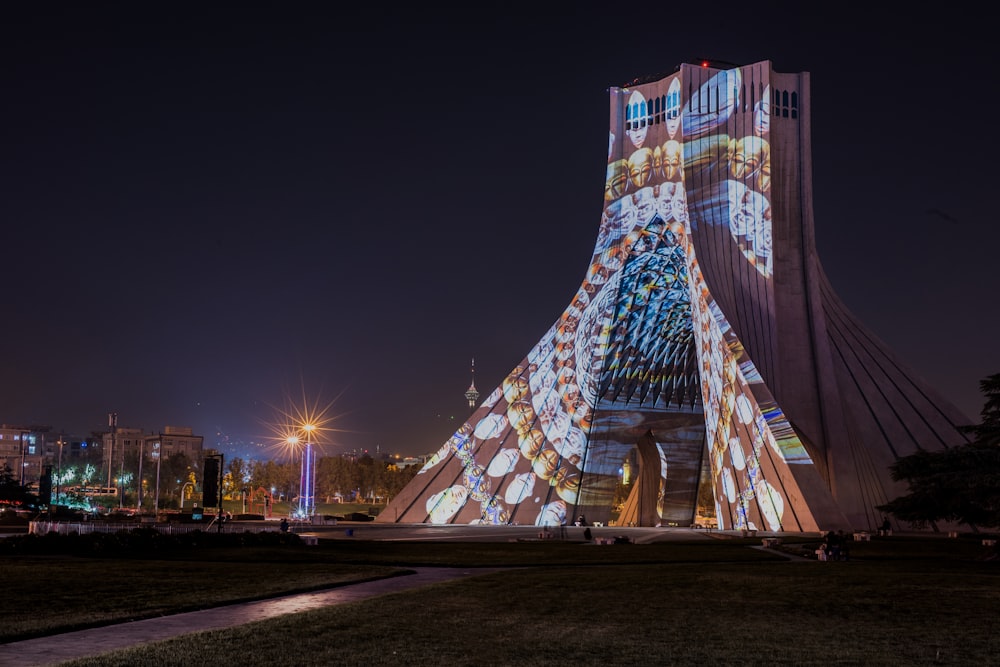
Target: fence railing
(87, 527)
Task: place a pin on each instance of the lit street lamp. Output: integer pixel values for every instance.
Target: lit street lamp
(307, 484)
(307, 479)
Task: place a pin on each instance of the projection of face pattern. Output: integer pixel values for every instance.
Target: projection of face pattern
(713, 108)
(749, 190)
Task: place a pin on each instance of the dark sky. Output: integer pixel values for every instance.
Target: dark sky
(209, 215)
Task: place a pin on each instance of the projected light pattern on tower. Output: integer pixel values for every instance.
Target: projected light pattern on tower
(704, 336)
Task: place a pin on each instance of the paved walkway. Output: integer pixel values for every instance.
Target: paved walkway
(54, 649)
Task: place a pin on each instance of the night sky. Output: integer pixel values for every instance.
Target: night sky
(211, 216)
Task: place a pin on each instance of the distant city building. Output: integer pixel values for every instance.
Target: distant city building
(128, 442)
(42, 447)
(28, 449)
(21, 449)
(177, 440)
(410, 461)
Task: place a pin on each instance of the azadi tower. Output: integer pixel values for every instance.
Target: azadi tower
(705, 344)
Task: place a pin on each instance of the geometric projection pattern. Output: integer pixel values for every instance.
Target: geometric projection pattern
(704, 345)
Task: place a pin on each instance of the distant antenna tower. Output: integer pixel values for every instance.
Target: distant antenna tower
(472, 394)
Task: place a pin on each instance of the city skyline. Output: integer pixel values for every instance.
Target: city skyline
(212, 215)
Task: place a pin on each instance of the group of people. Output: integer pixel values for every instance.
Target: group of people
(544, 534)
(836, 546)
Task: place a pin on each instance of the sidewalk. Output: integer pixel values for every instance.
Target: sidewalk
(54, 649)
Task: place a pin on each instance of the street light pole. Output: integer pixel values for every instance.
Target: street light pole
(59, 472)
(121, 478)
(138, 482)
(186, 485)
(293, 443)
(113, 424)
(156, 501)
(307, 485)
(24, 435)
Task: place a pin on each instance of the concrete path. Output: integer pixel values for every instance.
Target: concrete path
(54, 649)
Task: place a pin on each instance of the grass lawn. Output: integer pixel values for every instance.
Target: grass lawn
(897, 601)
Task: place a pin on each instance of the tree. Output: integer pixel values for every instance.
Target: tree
(175, 472)
(260, 476)
(334, 475)
(236, 478)
(959, 484)
(988, 432)
(399, 478)
(368, 477)
(13, 494)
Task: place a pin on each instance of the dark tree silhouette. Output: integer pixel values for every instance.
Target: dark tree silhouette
(960, 484)
(12, 494)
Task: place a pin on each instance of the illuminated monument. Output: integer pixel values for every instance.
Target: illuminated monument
(705, 336)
